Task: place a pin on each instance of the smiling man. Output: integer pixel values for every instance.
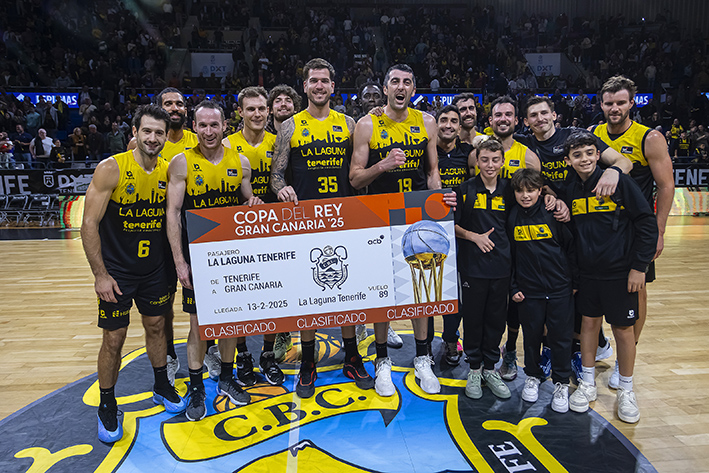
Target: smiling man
(468, 116)
(315, 146)
(647, 149)
(127, 257)
(208, 175)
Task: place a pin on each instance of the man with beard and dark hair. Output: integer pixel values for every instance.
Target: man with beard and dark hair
(178, 140)
(126, 255)
(468, 116)
(283, 102)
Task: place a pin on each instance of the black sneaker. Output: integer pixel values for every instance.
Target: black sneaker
(196, 407)
(110, 425)
(245, 375)
(270, 369)
(354, 369)
(306, 380)
(452, 355)
(231, 389)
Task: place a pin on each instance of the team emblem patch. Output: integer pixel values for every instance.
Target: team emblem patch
(384, 134)
(337, 128)
(129, 174)
(626, 150)
(232, 172)
(49, 180)
(304, 122)
(198, 180)
(239, 149)
(415, 129)
(130, 189)
(162, 184)
(329, 269)
(196, 167)
(306, 132)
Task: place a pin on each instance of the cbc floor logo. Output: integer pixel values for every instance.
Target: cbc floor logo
(376, 241)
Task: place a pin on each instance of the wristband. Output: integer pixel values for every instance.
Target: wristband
(616, 168)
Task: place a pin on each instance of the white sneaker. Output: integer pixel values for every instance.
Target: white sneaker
(530, 393)
(213, 362)
(393, 339)
(473, 386)
(383, 383)
(361, 333)
(422, 370)
(614, 380)
(585, 393)
(173, 364)
(560, 398)
(605, 351)
(627, 406)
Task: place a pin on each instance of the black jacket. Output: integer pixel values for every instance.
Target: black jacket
(540, 245)
(614, 234)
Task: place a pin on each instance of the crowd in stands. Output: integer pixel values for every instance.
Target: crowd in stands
(117, 53)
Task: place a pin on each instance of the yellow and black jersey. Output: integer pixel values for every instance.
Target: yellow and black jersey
(170, 150)
(132, 229)
(514, 160)
(212, 185)
(675, 131)
(631, 144)
(260, 158)
(411, 137)
(320, 156)
(453, 166)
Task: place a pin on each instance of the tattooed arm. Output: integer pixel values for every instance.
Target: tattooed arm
(279, 164)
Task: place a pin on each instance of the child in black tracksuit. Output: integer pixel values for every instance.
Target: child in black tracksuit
(616, 238)
(484, 267)
(541, 284)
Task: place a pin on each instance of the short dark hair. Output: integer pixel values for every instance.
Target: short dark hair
(251, 92)
(209, 104)
(488, 142)
(578, 139)
(318, 63)
(527, 178)
(283, 89)
(446, 109)
(151, 110)
(399, 67)
(167, 90)
(463, 97)
(536, 100)
(504, 99)
(371, 83)
(618, 83)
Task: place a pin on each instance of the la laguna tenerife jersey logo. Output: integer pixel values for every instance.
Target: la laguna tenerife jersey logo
(330, 269)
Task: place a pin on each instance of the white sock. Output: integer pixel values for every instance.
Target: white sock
(588, 375)
(625, 382)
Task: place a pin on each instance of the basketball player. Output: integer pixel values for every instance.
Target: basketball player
(255, 144)
(647, 149)
(455, 160)
(396, 152)
(300, 146)
(468, 116)
(126, 253)
(178, 140)
(196, 178)
(283, 101)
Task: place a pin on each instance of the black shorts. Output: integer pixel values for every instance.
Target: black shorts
(188, 302)
(597, 298)
(650, 275)
(149, 292)
(171, 275)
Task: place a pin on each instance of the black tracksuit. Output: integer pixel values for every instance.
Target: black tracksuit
(542, 271)
(484, 276)
(613, 235)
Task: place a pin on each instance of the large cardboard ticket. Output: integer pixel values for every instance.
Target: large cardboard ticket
(323, 263)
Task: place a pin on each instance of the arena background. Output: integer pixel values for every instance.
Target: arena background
(55, 55)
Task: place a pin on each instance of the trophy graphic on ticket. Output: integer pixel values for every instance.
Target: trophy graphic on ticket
(425, 246)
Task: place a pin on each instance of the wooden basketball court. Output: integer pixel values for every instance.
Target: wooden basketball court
(49, 338)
